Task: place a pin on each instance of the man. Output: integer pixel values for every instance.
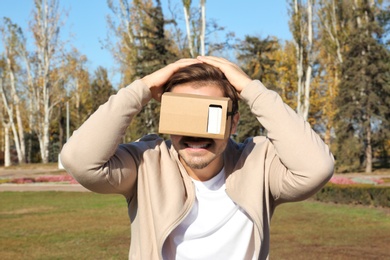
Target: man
(199, 198)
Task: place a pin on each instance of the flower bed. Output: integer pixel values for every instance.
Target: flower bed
(62, 179)
(356, 180)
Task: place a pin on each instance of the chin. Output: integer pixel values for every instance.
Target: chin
(195, 163)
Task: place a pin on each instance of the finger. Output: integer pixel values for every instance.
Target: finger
(186, 61)
(212, 60)
(232, 71)
(183, 63)
(220, 63)
(159, 77)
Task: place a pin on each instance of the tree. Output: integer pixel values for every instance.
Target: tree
(101, 89)
(153, 47)
(142, 37)
(285, 80)
(301, 26)
(203, 27)
(334, 28)
(256, 56)
(195, 35)
(78, 83)
(126, 21)
(364, 89)
(187, 18)
(45, 79)
(11, 95)
(154, 53)
(4, 122)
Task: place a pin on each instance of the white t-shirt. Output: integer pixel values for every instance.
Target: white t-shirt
(215, 228)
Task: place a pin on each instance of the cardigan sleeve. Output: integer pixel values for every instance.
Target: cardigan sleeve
(93, 156)
(303, 162)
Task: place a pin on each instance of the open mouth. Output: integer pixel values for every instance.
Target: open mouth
(197, 143)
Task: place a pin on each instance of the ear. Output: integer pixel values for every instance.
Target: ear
(235, 119)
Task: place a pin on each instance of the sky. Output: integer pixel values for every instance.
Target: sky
(85, 25)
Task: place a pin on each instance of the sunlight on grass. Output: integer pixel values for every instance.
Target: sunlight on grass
(60, 225)
(329, 231)
(71, 225)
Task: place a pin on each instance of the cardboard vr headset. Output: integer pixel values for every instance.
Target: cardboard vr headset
(195, 115)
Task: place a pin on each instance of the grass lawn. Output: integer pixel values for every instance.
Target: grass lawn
(63, 225)
(315, 230)
(71, 225)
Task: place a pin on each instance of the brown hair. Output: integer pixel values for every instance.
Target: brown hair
(202, 75)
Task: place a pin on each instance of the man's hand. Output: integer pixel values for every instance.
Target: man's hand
(238, 78)
(157, 79)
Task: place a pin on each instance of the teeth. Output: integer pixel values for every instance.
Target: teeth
(197, 146)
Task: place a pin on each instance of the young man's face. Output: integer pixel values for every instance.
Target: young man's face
(195, 152)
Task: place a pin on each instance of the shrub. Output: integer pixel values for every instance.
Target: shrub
(358, 194)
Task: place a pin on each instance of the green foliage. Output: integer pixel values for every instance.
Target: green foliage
(153, 54)
(248, 125)
(257, 56)
(101, 89)
(348, 148)
(146, 122)
(32, 146)
(153, 48)
(363, 101)
(357, 194)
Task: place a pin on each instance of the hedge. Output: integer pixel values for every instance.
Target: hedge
(357, 194)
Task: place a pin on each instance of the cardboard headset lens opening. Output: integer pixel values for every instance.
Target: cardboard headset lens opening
(195, 115)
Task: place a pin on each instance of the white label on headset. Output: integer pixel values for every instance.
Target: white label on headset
(214, 119)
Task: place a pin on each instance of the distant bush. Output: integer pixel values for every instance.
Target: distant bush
(357, 194)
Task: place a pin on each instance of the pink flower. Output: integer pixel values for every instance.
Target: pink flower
(54, 178)
(46, 178)
(341, 180)
(356, 180)
(23, 180)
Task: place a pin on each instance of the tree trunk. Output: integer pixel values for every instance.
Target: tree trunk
(46, 140)
(368, 151)
(7, 150)
(299, 54)
(187, 9)
(11, 123)
(46, 126)
(328, 137)
(203, 32)
(18, 134)
(298, 28)
(310, 62)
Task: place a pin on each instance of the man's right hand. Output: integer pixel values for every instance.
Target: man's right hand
(156, 80)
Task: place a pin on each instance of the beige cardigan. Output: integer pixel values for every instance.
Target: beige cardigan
(290, 164)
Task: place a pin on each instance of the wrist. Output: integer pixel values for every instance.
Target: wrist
(147, 81)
